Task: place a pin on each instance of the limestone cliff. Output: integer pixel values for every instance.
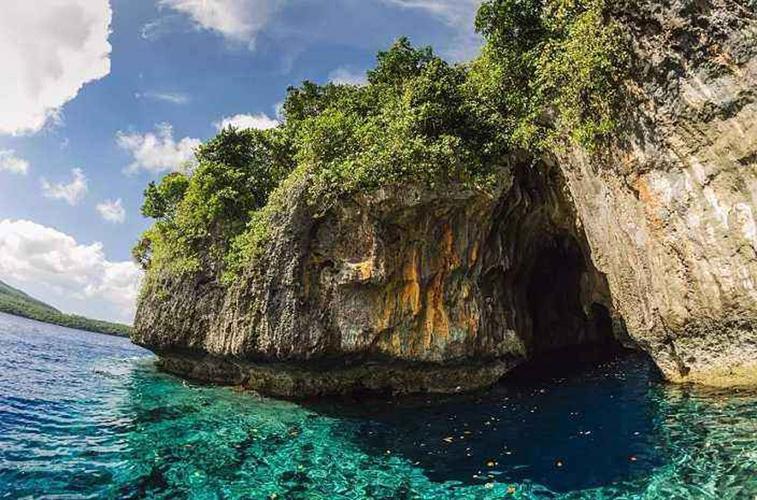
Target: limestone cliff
(416, 288)
(405, 289)
(671, 220)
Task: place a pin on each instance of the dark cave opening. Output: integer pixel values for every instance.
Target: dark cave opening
(553, 296)
(555, 291)
(566, 328)
(540, 282)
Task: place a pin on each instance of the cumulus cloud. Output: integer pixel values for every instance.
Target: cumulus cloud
(112, 211)
(9, 162)
(170, 97)
(49, 50)
(71, 192)
(347, 76)
(237, 20)
(259, 121)
(158, 152)
(458, 14)
(292, 25)
(54, 266)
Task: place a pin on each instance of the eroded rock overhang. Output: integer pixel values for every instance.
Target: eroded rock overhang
(407, 289)
(659, 233)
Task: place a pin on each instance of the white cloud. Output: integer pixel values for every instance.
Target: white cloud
(72, 192)
(454, 12)
(170, 97)
(9, 162)
(459, 15)
(278, 108)
(49, 50)
(237, 20)
(259, 121)
(158, 152)
(52, 265)
(347, 76)
(293, 25)
(112, 211)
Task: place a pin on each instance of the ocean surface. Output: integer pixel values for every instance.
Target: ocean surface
(85, 415)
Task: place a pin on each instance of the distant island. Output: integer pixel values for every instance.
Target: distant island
(18, 303)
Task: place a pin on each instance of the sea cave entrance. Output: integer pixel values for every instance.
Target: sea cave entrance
(556, 296)
(567, 330)
(542, 282)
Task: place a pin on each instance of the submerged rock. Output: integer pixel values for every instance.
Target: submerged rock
(412, 288)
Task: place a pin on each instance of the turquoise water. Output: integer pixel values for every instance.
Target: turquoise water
(87, 416)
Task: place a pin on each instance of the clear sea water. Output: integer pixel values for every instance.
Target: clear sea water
(85, 415)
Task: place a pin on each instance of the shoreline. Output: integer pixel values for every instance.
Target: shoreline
(24, 316)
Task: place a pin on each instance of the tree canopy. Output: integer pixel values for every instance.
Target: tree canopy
(551, 70)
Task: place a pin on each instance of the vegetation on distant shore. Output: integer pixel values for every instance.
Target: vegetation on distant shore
(551, 73)
(18, 303)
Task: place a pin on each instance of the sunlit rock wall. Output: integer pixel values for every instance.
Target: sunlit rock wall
(406, 289)
(671, 218)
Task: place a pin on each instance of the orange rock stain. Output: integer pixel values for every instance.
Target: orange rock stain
(650, 202)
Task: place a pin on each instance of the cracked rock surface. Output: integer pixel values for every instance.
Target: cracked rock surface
(671, 221)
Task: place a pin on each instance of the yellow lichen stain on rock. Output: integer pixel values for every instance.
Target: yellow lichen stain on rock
(471, 320)
(364, 270)
(435, 321)
(449, 257)
(473, 254)
(401, 297)
(436, 324)
(386, 311)
(419, 304)
(411, 291)
(395, 343)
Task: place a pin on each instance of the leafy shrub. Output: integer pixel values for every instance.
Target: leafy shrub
(161, 200)
(197, 216)
(551, 67)
(412, 120)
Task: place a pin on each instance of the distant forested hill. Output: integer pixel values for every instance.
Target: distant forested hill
(16, 302)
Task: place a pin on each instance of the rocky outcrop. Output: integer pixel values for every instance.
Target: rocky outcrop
(671, 219)
(405, 289)
(409, 288)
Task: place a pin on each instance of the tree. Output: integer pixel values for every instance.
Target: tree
(551, 68)
(198, 215)
(400, 63)
(161, 200)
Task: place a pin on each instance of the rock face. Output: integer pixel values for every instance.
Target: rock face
(406, 289)
(671, 222)
(418, 289)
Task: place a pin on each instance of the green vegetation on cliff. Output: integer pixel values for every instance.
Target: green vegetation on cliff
(551, 72)
(551, 68)
(18, 303)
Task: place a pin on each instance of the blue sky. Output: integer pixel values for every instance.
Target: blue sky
(105, 96)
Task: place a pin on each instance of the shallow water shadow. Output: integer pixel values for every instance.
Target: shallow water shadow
(567, 425)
